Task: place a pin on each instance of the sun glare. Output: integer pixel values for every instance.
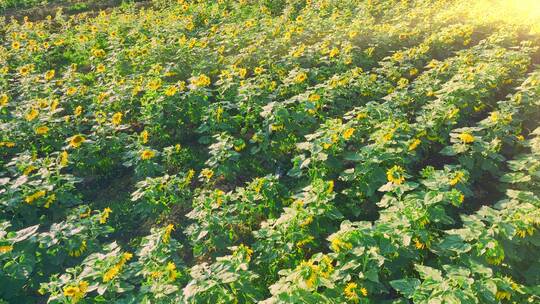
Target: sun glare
(517, 12)
(527, 10)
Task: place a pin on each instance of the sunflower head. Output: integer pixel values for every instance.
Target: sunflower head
(466, 138)
(76, 141)
(117, 118)
(396, 175)
(147, 154)
(71, 291)
(49, 75)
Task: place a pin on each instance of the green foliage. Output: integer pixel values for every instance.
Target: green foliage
(270, 152)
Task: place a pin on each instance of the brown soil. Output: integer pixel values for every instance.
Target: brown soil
(68, 7)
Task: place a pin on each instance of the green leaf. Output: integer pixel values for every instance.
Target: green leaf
(25, 233)
(454, 243)
(428, 273)
(406, 286)
(517, 177)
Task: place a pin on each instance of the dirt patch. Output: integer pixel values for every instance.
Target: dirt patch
(37, 13)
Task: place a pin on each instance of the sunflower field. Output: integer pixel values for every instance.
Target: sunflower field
(271, 151)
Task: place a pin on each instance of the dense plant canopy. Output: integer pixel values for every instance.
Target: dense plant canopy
(271, 151)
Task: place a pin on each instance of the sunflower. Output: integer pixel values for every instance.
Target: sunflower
(414, 144)
(80, 250)
(49, 75)
(338, 245)
(171, 269)
(200, 81)
(98, 53)
(239, 146)
(71, 91)
(458, 177)
(33, 114)
(64, 158)
(7, 144)
(299, 51)
(310, 273)
(330, 186)
(167, 233)
(147, 154)
(361, 115)
(144, 136)
(83, 285)
(154, 84)
(43, 103)
(402, 83)
(100, 68)
(37, 195)
(334, 52)
(396, 175)
(16, 45)
(501, 295)
(54, 105)
(105, 215)
(419, 245)
(207, 173)
(171, 91)
(242, 73)
(314, 97)
(42, 130)
(111, 273)
(82, 38)
(70, 291)
(117, 118)
(466, 137)
(300, 77)
(76, 141)
(102, 96)
(350, 292)
(3, 100)
(25, 70)
(78, 111)
(258, 70)
(348, 133)
(5, 248)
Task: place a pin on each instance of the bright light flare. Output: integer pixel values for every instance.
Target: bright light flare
(518, 12)
(528, 11)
